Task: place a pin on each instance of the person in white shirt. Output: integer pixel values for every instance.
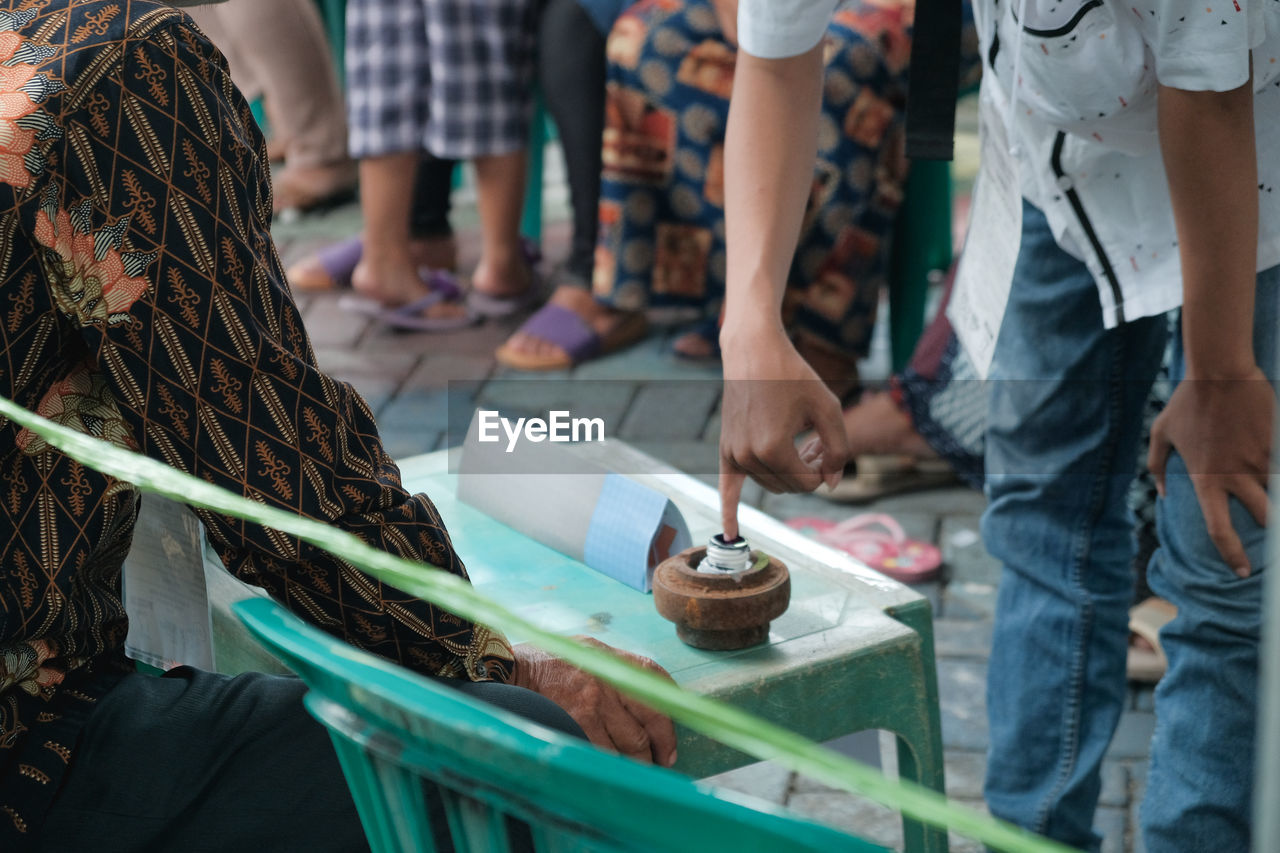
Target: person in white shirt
(1144, 140)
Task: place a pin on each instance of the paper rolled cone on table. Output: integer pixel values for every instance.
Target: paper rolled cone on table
(573, 505)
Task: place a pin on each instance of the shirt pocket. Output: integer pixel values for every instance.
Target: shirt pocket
(1084, 68)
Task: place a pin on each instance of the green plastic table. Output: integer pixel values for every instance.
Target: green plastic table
(854, 650)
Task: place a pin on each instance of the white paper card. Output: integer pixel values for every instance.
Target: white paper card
(164, 590)
(985, 276)
(577, 506)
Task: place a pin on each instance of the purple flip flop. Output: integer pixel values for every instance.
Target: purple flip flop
(328, 269)
(576, 339)
(411, 317)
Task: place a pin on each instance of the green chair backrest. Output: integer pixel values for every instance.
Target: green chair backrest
(393, 729)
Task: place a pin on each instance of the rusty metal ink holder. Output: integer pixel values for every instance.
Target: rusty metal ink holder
(721, 610)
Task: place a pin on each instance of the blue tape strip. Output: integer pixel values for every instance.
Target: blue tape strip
(621, 530)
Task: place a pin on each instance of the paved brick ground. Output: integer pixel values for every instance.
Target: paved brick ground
(670, 409)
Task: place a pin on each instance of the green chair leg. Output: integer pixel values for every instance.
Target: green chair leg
(921, 246)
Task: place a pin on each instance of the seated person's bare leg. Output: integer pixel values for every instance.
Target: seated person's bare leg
(876, 424)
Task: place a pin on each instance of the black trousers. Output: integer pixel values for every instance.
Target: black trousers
(194, 761)
(432, 185)
(571, 68)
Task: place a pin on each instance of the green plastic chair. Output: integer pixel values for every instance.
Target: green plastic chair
(392, 729)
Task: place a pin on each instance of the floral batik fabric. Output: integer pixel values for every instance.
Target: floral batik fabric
(661, 238)
(661, 234)
(142, 302)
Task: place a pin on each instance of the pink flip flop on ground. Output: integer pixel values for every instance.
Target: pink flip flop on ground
(879, 541)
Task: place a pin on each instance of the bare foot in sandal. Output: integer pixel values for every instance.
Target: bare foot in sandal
(610, 327)
(439, 252)
(331, 267)
(502, 274)
(876, 425)
(393, 279)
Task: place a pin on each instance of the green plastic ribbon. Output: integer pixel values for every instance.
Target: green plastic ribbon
(742, 731)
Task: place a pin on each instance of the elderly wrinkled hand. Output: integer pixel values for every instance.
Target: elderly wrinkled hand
(610, 719)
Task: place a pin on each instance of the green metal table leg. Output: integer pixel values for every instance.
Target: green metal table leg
(920, 756)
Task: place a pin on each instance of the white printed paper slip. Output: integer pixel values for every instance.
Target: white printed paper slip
(577, 506)
(985, 276)
(164, 588)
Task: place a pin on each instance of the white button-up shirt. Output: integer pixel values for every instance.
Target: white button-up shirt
(1083, 122)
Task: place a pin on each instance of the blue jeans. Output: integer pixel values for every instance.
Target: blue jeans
(1065, 422)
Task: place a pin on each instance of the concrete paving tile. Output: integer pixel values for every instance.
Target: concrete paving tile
(712, 431)
(1133, 735)
(401, 442)
(1144, 697)
(962, 550)
(1138, 776)
(428, 410)
(856, 816)
(863, 747)
(753, 494)
(341, 362)
(1113, 826)
(917, 525)
(522, 396)
(331, 326)
(965, 772)
(435, 369)
(804, 785)
(305, 233)
(650, 359)
(670, 410)
(870, 747)
(966, 600)
(1115, 784)
(764, 779)
(962, 638)
(961, 844)
(480, 340)
(696, 458)
(956, 500)
(1136, 842)
(962, 692)
(377, 381)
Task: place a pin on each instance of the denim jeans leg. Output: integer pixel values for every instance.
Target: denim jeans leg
(1064, 425)
(1201, 779)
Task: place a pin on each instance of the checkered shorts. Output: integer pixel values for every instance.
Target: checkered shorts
(452, 76)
